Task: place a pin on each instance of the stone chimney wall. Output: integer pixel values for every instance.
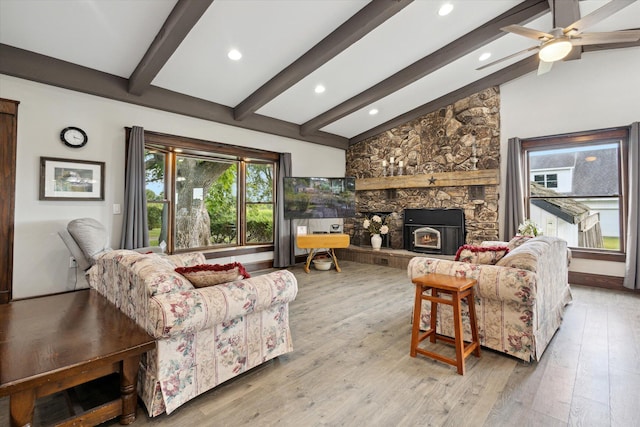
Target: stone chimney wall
(442, 141)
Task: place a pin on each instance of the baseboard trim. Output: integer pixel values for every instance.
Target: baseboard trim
(258, 265)
(597, 280)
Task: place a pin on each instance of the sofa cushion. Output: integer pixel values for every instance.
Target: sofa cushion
(525, 256)
(91, 237)
(187, 259)
(213, 274)
(517, 241)
(481, 254)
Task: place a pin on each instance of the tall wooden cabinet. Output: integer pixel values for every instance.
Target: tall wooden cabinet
(8, 144)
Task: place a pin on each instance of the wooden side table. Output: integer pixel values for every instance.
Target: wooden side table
(317, 241)
(53, 343)
(458, 288)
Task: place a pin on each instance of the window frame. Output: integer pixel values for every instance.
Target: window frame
(620, 134)
(173, 146)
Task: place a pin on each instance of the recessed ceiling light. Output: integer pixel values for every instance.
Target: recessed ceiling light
(485, 56)
(234, 55)
(373, 111)
(319, 89)
(445, 9)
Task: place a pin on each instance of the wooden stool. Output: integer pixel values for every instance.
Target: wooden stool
(458, 288)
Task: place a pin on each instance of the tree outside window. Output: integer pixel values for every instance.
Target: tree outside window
(218, 200)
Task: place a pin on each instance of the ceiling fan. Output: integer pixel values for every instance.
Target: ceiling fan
(558, 42)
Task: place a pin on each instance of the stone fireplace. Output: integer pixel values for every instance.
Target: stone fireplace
(451, 160)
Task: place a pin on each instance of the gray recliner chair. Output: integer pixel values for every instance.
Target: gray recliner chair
(86, 239)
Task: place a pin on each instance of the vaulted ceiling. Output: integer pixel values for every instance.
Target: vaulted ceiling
(398, 57)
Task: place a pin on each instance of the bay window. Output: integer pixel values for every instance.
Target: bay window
(208, 196)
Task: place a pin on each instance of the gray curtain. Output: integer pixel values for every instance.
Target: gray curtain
(633, 231)
(284, 250)
(135, 232)
(514, 194)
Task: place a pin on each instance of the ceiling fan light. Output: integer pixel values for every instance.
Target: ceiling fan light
(555, 50)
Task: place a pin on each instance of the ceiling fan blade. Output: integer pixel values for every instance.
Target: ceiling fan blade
(513, 55)
(544, 67)
(609, 37)
(526, 32)
(597, 15)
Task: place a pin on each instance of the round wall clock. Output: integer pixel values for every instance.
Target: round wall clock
(74, 137)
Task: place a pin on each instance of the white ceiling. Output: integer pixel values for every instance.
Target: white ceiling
(112, 36)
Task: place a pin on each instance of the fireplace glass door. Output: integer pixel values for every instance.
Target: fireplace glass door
(427, 238)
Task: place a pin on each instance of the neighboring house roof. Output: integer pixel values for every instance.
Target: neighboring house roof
(589, 177)
(552, 161)
(569, 210)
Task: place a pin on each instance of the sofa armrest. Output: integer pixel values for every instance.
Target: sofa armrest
(498, 283)
(196, 309)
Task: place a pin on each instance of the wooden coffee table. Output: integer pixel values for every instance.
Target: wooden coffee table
(53, 343)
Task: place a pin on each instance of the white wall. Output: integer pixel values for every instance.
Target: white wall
(601, 90)
(41, 261)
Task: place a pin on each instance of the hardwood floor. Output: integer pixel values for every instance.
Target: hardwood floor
(351, 367)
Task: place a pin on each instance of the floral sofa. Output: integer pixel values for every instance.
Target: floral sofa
(520, 300)
(206, 335)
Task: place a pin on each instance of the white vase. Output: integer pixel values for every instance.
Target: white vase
(376, 242)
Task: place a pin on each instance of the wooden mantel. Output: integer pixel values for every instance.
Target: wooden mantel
(439, 179)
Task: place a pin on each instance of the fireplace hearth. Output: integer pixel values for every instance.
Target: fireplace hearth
(434, 231)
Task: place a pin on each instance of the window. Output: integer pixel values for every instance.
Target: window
(547, 180)
(220, 196)
(576, 189)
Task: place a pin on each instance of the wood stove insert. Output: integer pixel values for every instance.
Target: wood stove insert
(434, 231)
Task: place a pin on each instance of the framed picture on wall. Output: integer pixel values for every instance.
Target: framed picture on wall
(67, 179)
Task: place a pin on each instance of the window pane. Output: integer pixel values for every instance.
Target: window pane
(259, 208)
(154, 174)
(205, 202)
(259, 223)
(259, 183)
(583, 170)
(575, 194)
(582, 222)
(222, 205)
(157, 217)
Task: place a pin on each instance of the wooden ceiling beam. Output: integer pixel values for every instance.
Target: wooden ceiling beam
(490, 31)
(502, 76)
(180, 21)
(55, 72)
(358, 26)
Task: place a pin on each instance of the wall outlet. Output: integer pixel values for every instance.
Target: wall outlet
(72, 262)
(116, 209)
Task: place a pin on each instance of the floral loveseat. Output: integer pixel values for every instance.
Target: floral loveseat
(519, 301)
(206, 335)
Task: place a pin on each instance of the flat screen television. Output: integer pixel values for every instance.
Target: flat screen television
(319, 197)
